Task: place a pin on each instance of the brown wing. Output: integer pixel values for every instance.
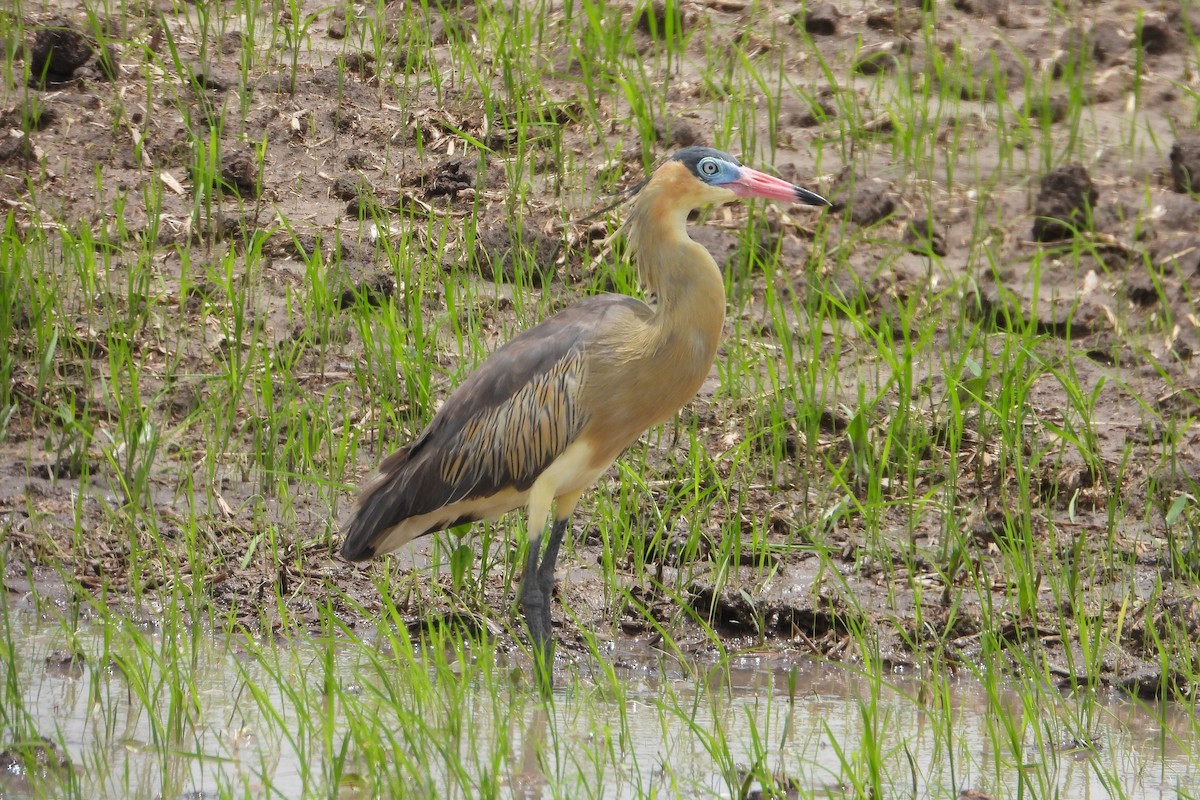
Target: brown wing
(497, 432)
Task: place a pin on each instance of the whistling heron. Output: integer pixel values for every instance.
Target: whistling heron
(547, 413)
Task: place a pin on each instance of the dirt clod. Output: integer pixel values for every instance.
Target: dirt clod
(1185, 163)
(239, 173)
(58, 49)
(359, 63)
(813, 112)
(1156, 35)
(995, 70)
(1064, 203)
(373, 291)
(356, 159)
(336, 28)
(730, 611)
(449, 178)
(210, 77)
(67, 466)
(1050, 109)
(231, 42)
(821, 19)
(31, 115)
(502, 252)
(349, 186)
(108, 63)
(657, 16)
(1141, 290)
(276, 83)
(1145, 682)
(679, 133)
(981, 8)
(1180, 256)
(66, 663)
(924, 234)
(900, 21)
(39, 758)
(872, 202)
(1109, 41)
(875, 62)
(16, 149)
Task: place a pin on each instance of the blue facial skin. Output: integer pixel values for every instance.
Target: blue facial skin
(711, 166)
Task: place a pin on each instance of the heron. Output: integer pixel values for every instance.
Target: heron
(547, 413)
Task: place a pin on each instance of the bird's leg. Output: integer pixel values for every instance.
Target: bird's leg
(534, 605)
(537, 588)
(550, 558)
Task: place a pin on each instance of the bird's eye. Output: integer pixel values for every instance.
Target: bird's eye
(709, 167)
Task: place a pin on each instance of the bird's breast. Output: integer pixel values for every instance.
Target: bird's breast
(642, 379)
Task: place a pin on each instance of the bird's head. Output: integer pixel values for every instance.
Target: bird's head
(699, 176)
(704, 176)
(690, 179)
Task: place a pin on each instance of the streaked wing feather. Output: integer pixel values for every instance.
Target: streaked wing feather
(500, 429)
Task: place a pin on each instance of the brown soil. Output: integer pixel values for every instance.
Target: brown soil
(336, 145)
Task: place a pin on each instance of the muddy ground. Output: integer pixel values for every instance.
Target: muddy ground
(332, 145)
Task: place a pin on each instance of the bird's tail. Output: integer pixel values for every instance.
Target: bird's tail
(376, 513)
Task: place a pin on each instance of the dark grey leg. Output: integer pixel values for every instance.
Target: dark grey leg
(534, 605)
(537, 588)
(550, 559)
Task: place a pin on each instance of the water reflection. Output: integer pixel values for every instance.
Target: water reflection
(223, 717)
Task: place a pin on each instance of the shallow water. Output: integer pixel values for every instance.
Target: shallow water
(145, 715)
